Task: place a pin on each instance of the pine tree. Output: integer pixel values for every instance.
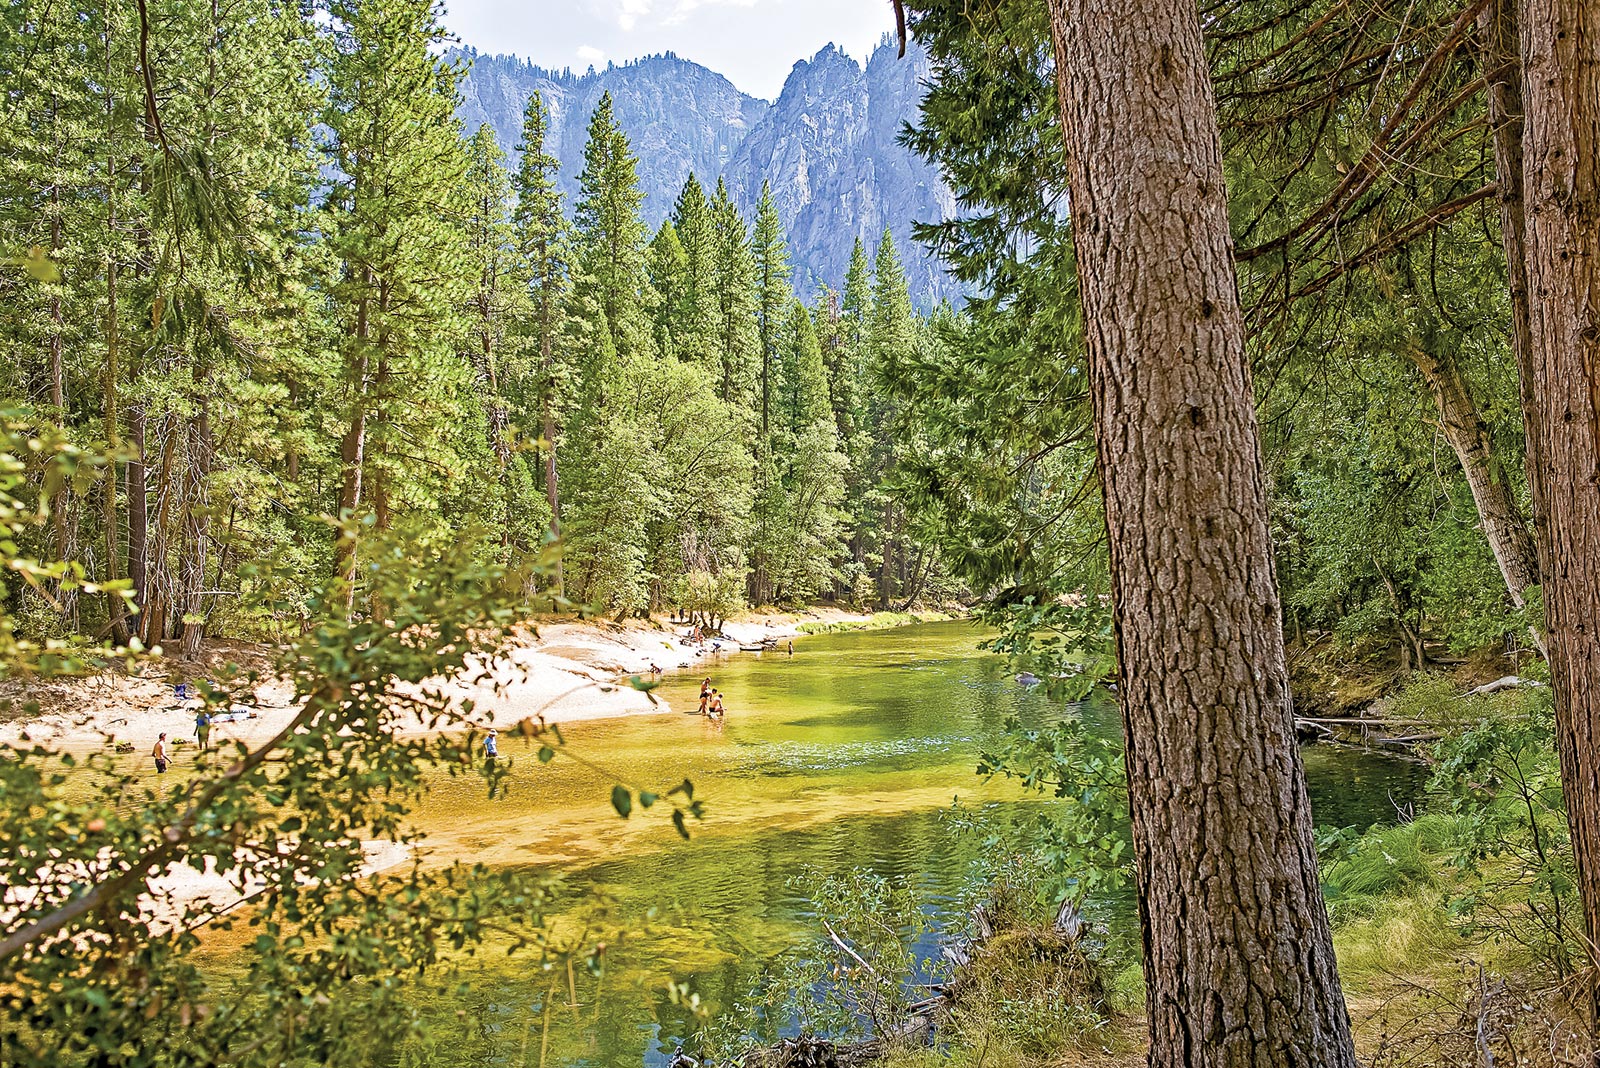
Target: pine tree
(611, 470)
(543, 244)
(733, 280)
(891, 340)
(694, 316)
(500, 300)
(669, 277)
(404, 267)
(610, 233)
(773, 296)
(850, 391)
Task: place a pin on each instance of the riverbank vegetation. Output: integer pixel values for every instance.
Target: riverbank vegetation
(1294, 393)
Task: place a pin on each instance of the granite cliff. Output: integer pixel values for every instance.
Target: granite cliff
(828, 145)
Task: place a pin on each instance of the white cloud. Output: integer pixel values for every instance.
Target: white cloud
(631, 11)
(684, 8)
(753, 42)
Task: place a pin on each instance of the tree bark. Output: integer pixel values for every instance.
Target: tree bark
(1498, 510)
(1502, 63)
(133, 475)
(353, 448)
(552, 487)
(1238, 951)
(196, 533)
(155, 623)
(63, 522)
(1561, 90)
(116, 607)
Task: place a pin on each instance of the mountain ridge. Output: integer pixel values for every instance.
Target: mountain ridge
(828, 145)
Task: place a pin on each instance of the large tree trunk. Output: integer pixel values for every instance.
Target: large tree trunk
(1498, 510)
(1238, 952)
(1502, 64)
(116, 607)
(155, 623)
(1561, 88)
(63, 521)
(353, 448)
(133, 477)
(552, 486)
(196, 533)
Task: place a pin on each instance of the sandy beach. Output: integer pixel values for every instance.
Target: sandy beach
(566, 671)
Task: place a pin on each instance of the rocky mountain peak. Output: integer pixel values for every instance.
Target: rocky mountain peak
(828, 145)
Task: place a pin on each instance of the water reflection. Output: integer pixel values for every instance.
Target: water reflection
(840, 756)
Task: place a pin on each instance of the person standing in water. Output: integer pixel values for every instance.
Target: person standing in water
(202, 729)
(705, 696)
(491, 746)
(160, 753)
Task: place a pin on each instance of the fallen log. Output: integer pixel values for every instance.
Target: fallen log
(1508, 682)
(1404, 741)
(1363, 721)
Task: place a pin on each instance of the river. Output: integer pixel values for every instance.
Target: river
(844, 754)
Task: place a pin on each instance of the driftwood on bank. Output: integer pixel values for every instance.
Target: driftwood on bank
(1389, 732)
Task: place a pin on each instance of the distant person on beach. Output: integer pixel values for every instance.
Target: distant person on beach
(202, 729)
(160, 753)
(655, 669)
(491, 747)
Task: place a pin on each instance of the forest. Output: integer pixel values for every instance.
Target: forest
(1276, 399)
(289, 286)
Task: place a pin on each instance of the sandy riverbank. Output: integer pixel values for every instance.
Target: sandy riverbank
(566, 671)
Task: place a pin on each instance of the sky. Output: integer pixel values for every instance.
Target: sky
(754, 43)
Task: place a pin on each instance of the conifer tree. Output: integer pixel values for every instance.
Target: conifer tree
(773, 296)
(543, 244)
(610, 232)
(500, 300)
(397, 145)
(669, 277)
(849, 391)
(610, 471)
(694, 316)
(733, 280)
(891, 340)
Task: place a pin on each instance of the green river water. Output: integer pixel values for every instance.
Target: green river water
(843, 755)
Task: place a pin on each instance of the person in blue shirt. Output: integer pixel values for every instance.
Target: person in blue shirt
(491, 748)
(202, 729)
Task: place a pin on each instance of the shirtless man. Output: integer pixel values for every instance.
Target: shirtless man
(160, 753)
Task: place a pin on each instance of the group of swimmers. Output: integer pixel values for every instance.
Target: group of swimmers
(710, 701)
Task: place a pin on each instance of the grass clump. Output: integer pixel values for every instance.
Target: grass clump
(1034, 992)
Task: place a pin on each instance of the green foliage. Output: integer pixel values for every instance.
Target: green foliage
(1067, 644)
(1502, 780)
(853, 979)
(1082, 848)
(37, 461)
(94, 969)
